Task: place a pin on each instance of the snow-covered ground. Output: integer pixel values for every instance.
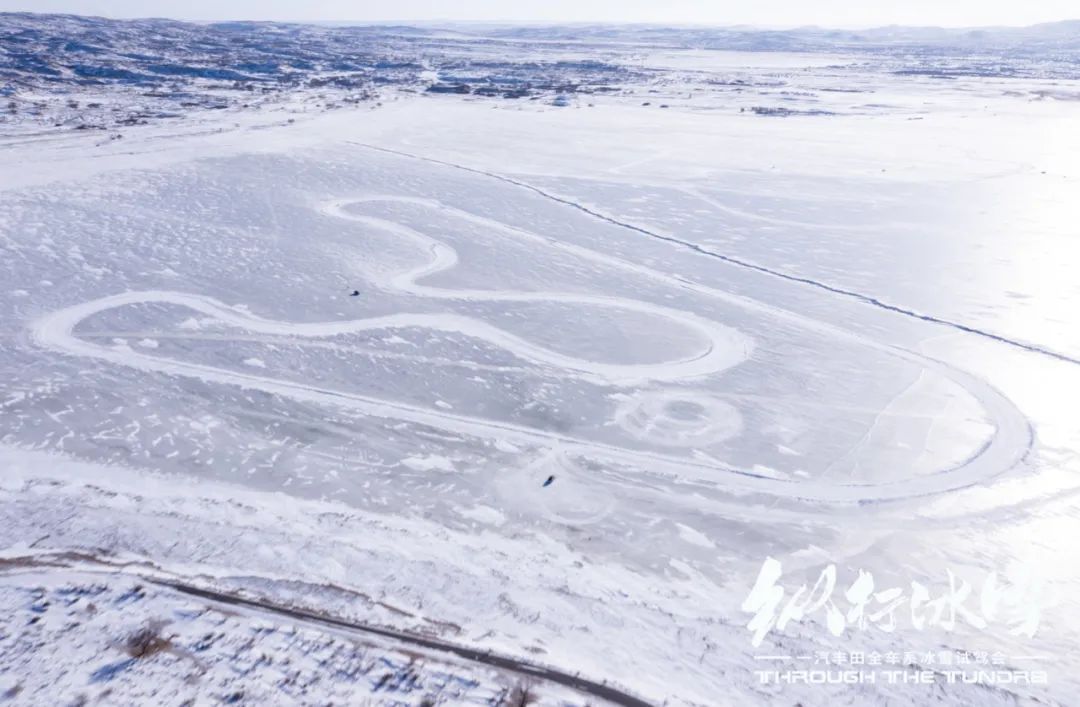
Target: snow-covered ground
(103, 638)
(601, 362)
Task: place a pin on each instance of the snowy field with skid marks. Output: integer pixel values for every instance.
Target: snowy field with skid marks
(599, 364)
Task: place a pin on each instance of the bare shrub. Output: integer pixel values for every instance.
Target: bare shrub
(147, 641)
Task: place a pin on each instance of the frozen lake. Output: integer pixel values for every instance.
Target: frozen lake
(566, 377)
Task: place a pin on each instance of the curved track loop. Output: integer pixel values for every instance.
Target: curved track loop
(722, 348)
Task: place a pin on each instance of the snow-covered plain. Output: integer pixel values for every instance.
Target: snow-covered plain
(847, 339)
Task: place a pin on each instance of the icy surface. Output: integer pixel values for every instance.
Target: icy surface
(555, 379)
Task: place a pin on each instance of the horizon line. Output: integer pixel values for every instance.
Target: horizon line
(446, 22)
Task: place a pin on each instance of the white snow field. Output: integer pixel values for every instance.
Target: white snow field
(602, 361)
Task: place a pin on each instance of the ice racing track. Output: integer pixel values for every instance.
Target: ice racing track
(721, 348)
